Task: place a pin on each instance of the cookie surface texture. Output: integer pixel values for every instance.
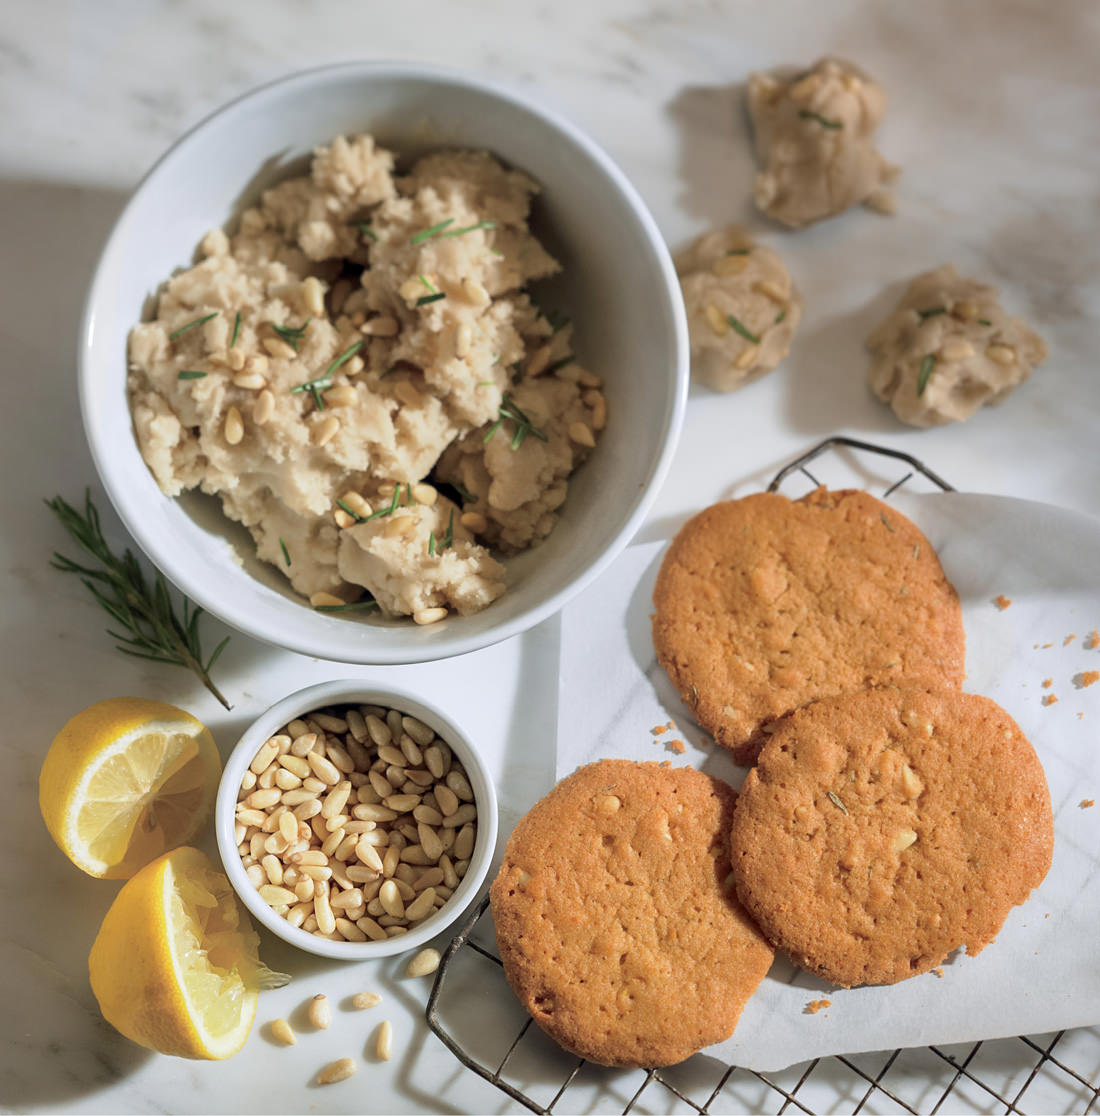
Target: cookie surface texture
(616, 919)
(764, 604)
(881, 830)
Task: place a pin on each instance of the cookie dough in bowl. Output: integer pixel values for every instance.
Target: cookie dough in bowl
(313, 369)
(948, 348)
(632, 336)
(814, 137)
(743, 309)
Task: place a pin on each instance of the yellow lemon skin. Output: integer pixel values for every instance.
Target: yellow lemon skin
(174, 964)
(125, 780)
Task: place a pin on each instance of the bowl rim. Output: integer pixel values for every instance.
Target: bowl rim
(357, 691)
(321, 643)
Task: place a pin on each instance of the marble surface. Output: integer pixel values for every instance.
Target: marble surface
(995, 120)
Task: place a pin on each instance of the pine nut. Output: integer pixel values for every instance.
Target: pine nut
(463, 339)
(392, 856)
(746, 356)
(276, 896)
(279, 349)
(464, 843)
(349, 931)
(262, 799)
(361, 508)
(325, 430)
(391, 900)
(303, 742)
(288, 827)
(326, 922)
(381, 327)
(383, 1046)
(339, 1070)
(371, 928)
(716, 320)
(581, 433)
(429, 841)
(729, 265)
(366, 811)
(598, 405)
(424, 963)
(396, 931)
(474, 522)
(281, 1030)
(250, 816)
(407, 393)
(425, 616)
(256, 363)
(539, 361)
(428, 815)
(234, 426)
(323, 769)
(287, 780)
(446, 799)
(400, 526)
(336, 800)
(1001, 354)
(955, 348)
(458, 782)
(421, 906)
(343, 395)
(475, 292)
(770, 290)
(327, 600)
(450, 876)
(965, 309)
(402, 803)
(256, 875)
(250, 381)
(313, 297)
(362, 1000)
(425, 494)
(263, 757)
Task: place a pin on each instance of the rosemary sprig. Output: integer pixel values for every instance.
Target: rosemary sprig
(190, 374)
(395, 503)
(926, 366)
(365, 229)
(320, 383)
(191, 325)
(552, 368)
(524, 426)
(984, 321)
(469, 228)
(779, 317)
(236, 330)
(428, 285)
(446, 540)
(427, 234)
(888, 525)
(292, 335)
(806, 114)
(351, 606)
(931, 312)
(286, 553)
(145, 611)
(739, 328)
(425, 299)
(738, 251)
(556, 320)
(464, 494)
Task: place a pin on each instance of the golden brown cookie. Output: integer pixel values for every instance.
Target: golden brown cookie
(616, 919)
(880, 830)
(763, 604)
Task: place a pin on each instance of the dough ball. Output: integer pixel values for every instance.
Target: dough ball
(948, 348)
(814, 133)
(741, 305)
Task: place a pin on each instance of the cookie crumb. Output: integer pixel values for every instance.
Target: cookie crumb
(938, 972)
(676, 746)
(1047, 683)
(1046, 645)
(1001, 601)
(1080, 716)
(1086, 678)
(814, 1006)
(1069, 639)
(666, 763)
(658, 729)
(1050, 699)
(1092, 640)
(1086, 803)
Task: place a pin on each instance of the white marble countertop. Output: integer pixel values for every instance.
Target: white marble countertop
(995, 120)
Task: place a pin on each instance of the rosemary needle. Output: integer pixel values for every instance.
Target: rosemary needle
(154, 629)
(926, 366)
(739, 328)
(806, 114)
(236, 330)
(191, 325)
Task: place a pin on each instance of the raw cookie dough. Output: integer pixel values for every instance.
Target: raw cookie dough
(741, 305)
(947, 349)
(814, 135)
(356, 325)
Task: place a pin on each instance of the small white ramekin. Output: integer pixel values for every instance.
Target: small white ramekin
(341, 692)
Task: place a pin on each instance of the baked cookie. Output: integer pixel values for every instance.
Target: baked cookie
(763, 604)
(881, 830)
(615, 916)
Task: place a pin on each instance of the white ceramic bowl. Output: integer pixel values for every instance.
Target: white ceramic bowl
(618, 285)
(350, 691)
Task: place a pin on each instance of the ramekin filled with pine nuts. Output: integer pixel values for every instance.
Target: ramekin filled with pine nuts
(356, 822)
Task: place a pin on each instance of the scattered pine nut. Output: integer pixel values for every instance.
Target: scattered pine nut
(425, 616)
(362, 1000)
(580, 433)
(320, 1012)
(424, 963)
(339, 1070)
(383, 1044)
(282, 1030)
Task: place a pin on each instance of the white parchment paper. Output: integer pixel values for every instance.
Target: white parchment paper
(1043, 971)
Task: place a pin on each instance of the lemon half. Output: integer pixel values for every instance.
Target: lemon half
(124, 781)
(175, 965)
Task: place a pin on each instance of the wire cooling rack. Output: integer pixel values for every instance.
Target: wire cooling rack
(1058, 1072)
